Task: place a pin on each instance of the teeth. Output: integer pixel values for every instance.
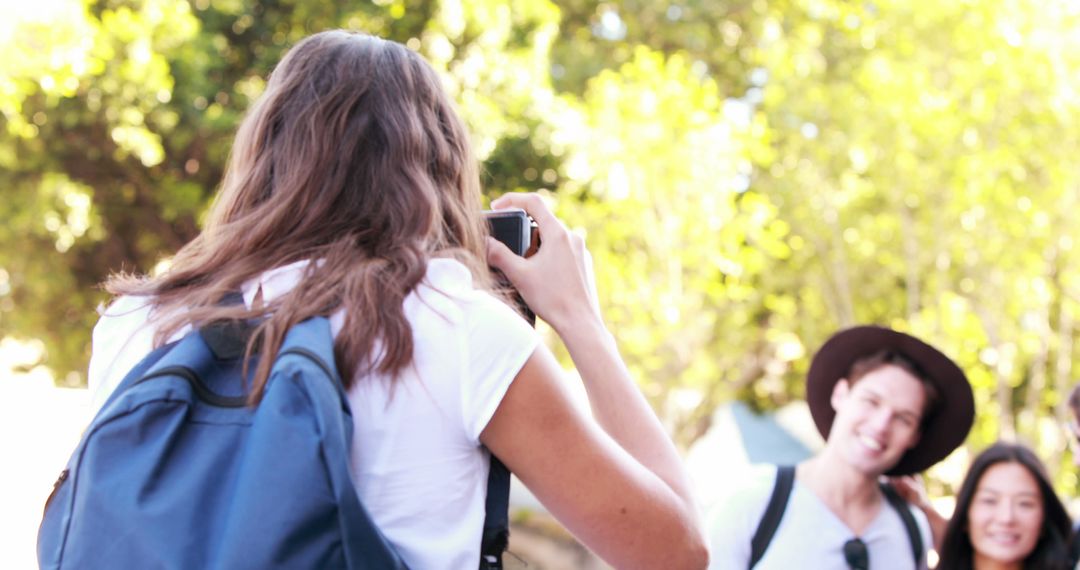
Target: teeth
(871, 443)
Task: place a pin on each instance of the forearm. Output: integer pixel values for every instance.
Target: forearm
(618, 405)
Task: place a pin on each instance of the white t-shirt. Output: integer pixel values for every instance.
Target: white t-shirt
(417, 461)
(809, 535)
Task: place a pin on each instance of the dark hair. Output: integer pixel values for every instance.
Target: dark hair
(1050, 552)
(888, 357)
(354, 158)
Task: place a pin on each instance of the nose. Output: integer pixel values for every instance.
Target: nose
(1006, 512)
(881, 419)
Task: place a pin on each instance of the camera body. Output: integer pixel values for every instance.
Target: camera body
(515, 229)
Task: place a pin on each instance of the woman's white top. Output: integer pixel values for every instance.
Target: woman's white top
(417, 461)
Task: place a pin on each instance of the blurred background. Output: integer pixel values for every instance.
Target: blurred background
(751, 176)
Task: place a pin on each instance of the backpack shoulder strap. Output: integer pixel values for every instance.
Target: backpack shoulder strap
(305, 368)
(901, 508)
(785, 480)
(496, 534)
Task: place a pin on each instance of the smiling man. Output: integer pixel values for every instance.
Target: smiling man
(887, 404)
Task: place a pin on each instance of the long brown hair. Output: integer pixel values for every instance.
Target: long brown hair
(354, 158)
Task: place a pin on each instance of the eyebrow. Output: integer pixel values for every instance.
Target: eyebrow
(993, 491)
(915, 415)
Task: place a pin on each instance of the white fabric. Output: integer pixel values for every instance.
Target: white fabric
(809, 534)
(416, 457)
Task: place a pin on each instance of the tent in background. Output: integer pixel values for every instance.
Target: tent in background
(740, 438)
(737, 439)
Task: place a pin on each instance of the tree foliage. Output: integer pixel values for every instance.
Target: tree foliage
(751, 175)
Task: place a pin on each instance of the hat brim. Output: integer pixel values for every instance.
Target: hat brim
(941, 434)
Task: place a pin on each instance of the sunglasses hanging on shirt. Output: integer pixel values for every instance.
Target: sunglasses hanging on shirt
(856, 555)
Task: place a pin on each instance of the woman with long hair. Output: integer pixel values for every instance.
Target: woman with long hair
(1007, 516)
(351, 192)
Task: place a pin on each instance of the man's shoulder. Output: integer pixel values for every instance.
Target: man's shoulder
(755, 480)
(746, 494)
(735, 517)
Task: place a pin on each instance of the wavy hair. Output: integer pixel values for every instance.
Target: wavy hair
(354, 158)
(1051, 552)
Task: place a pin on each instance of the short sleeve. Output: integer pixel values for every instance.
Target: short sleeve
(122, 337)
(499, 342)
(733, 519)
(119, 342)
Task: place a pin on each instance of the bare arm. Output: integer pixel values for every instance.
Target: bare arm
(617, 482)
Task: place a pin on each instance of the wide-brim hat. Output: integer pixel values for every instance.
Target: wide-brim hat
(941, 433)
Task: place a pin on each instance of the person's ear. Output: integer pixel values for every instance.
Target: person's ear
(840, 393)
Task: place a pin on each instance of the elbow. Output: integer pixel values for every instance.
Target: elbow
(694, 554)
(698, 546)
(699, 554)
(684, 549)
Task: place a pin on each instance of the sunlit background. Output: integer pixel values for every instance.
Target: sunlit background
(751, 176)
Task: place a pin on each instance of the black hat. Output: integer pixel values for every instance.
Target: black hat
(941, 433)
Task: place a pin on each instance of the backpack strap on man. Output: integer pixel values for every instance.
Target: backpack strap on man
(785, 480)
(901, 508)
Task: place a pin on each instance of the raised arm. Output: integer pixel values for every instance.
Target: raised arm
(616, 482)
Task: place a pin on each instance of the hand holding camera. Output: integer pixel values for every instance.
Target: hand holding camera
(555, 281)
(514, 228)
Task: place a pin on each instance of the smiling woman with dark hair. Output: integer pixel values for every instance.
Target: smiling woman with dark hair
(1007, 516)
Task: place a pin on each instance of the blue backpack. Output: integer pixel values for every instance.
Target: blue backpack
(178, 471)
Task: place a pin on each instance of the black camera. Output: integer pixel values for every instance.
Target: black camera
(515, 229)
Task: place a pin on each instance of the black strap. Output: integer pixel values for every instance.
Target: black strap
(901, 508)
(785, 479)
(228, 339)
(496, 520)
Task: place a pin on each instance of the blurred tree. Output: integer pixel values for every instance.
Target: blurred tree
(922, 155)
(913, 158)
(659, 176)
(118, 116)
(752, 175)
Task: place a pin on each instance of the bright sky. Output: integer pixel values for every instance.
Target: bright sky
(14, 12)
(39, 427)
